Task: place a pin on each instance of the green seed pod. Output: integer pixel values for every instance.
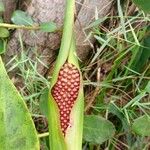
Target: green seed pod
(65, 103)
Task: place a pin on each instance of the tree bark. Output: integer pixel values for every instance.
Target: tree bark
(47, 44)
(10, 6)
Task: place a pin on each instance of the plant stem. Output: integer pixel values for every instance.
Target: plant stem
(13, 26)
(66, 37)
(43, 135)
(67, 29)
(34, 27)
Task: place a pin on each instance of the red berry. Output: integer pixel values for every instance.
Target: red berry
(65, 92)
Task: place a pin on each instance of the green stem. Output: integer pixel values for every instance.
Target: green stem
(13, 26)
(33, 27)
(43, 135)
(66, 38)
(67, 29)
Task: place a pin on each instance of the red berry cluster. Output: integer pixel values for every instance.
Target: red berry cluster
(65, 92)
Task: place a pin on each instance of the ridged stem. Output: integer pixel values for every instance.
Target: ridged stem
(67, 28)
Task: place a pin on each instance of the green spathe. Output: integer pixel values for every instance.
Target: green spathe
(73, 136)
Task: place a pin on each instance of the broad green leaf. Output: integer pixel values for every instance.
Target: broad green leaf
(21, 18)
(17, 131)
(48, 27)
(140, 54)
(4, 33)
(116, 111)
(97, 129)
(141, 126)
(143, 4)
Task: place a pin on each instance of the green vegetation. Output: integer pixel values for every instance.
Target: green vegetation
(116, 79)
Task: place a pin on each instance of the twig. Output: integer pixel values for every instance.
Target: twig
(13, 26)
(43, 135)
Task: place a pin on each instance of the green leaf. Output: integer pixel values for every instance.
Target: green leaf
(143, 4)
(141, 54)
(17, 131)
(112, 107)
(96, 23)
(4, 33)
(141, 126)
(145, 52)
(48, 27)
(2, 46)
(147, 88)
(21, 18)
(97, 129)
